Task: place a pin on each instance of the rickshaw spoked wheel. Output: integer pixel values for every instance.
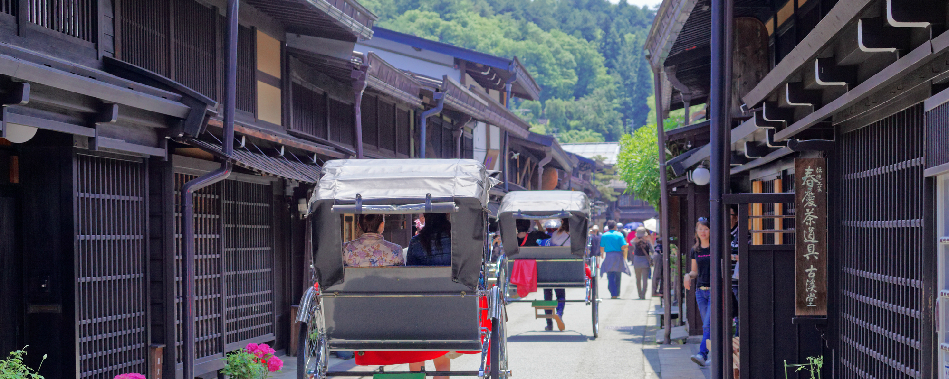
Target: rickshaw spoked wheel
(498, 357)
(596, 307)
(312, 353)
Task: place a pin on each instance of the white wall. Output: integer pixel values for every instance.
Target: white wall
(405, 57)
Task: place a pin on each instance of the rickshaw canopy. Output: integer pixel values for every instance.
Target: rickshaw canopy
(537, 205)
(400, 181)
(407, 186)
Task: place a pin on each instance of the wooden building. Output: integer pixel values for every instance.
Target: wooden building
(862, 85)
(110, 107)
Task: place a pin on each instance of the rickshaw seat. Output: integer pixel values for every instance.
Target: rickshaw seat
(401, 308)
(544, 252)
(559, 273)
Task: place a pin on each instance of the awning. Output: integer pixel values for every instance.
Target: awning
(288, 166)
(387, 79)
(499, 115)
(336, 19)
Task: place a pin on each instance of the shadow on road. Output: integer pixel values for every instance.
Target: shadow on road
(550, 337)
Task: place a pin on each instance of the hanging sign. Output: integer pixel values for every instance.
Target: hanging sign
(810, 228)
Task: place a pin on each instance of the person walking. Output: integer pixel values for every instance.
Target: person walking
(657, 264)
(613, 250)
(594, 241)
(641, 260)
(700, 256)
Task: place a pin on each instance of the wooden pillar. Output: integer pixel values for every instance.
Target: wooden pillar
(778, 211)
(757, 210)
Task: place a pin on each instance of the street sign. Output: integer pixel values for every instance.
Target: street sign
(810, 261)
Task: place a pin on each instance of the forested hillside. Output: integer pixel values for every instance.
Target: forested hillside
(586, 54)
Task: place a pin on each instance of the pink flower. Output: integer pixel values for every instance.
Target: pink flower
(266, 348)
(252, 347)
(131, 375)
(274, 364)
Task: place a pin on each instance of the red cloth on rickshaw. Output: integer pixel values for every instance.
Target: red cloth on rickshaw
(589, 272)
(524, 275)
(375, 358)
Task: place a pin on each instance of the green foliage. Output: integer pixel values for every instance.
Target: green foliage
(813, 367)
(579, 136)
(241, 364)
(603, 181)
(638, 163)
(14, 368)
(585, 54)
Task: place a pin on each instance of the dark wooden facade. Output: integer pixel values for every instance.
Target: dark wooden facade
(124, 98)
(862, 84)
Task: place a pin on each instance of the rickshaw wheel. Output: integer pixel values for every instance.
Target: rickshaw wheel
(498, 358)
(312, 354)
(596, 307)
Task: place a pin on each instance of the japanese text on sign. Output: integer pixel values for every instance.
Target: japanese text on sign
(811, 231)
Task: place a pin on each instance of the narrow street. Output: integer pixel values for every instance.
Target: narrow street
(625, 349)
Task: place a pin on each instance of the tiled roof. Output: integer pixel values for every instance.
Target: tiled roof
(608, 150)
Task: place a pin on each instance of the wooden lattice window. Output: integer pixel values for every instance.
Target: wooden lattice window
(370, 120)
(208, 284)
(111, 262)
(403, 130)
(248, 261)
(75, 18)
(195, 47)
(309, 111)
(386, 125)
(195, 56)
(341, 122)
(234, 260)
(8, 7)
(143, 42)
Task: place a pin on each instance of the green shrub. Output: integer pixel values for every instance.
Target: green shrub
(14, 368)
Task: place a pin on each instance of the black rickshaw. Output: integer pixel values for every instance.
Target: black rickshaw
(557, 266)
(341, 310)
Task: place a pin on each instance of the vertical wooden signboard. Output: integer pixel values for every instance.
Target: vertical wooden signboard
(810, 261)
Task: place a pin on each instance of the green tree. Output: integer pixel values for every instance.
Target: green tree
(638, 163)
(586, 55)
(603, 180)
(579, 136)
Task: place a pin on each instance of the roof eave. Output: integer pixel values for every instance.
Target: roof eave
(670, 18)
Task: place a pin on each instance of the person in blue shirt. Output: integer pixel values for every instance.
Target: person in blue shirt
(613, 249)
(432, 246)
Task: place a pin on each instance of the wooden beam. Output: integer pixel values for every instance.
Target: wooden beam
(279, 140)
(906, 64)
(828, 73)
(795, 95)
(819, 38)
(756, 150)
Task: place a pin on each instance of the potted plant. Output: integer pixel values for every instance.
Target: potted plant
(255, 361)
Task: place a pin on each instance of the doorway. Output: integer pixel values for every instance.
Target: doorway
(11, 290)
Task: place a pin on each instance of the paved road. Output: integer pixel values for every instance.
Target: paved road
(625, 349)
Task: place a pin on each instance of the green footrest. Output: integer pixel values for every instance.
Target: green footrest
(550, 303)
(414, 375)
